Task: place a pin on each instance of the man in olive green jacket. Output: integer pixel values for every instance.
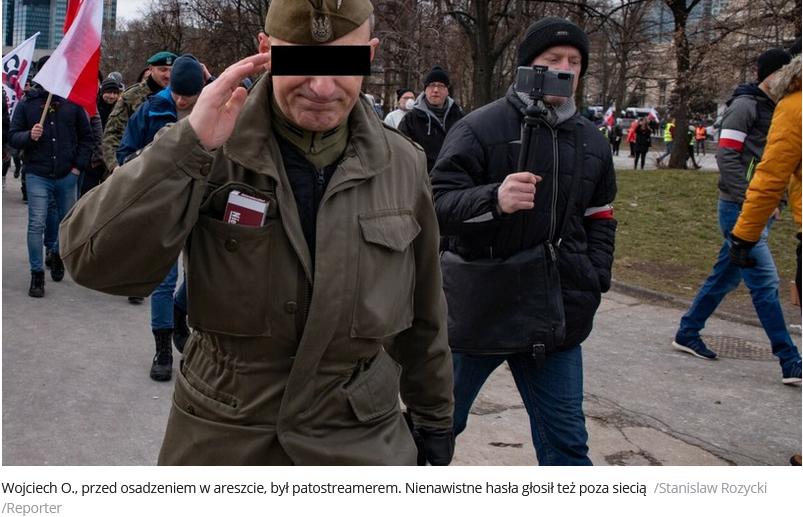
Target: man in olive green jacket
(303, 343)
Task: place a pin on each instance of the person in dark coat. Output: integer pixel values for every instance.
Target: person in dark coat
(433, 115)
(488, 208)
(643, 142)
(54, 154)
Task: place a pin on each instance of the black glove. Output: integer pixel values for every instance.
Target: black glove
(435, 446)
(739, 251)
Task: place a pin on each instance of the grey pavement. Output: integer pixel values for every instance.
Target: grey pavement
(76, 391)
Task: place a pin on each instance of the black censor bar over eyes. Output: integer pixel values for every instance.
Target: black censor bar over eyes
(320, 60)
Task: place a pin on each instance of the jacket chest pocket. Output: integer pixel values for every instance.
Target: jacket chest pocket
(383, 303)
(229, 277)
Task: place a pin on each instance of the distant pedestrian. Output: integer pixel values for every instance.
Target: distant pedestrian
(615, 138)
(643, 142)
(433, 115)
(700, 137)
(691, 136)
(631, 138)
(405, 100)
(669, 139)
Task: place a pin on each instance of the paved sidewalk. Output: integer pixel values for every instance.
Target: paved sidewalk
(76, 389)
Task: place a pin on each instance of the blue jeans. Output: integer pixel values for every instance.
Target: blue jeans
(762, 281)
(162, 301)
(42, 220)
(669, 147)
(553, 397)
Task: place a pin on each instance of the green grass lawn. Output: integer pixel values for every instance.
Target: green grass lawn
(668, 236)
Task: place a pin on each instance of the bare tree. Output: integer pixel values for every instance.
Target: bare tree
(490, 26)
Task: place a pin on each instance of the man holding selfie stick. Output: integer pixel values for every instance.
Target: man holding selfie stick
(313, 280)
(530, 239)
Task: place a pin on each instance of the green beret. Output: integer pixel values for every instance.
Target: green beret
(162, 59)
(310, 22)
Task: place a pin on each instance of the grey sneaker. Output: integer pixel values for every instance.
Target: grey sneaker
(694, 346)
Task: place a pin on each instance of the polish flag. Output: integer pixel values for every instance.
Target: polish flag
(609, 117)
(72, 70)
(654, 115)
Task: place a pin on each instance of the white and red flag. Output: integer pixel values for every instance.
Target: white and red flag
(610, 116)
(72, 70)
(654, 115)
(16, 66)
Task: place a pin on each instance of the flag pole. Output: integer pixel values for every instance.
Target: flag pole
(47, 106)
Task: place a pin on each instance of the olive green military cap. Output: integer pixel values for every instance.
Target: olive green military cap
(310, 22)
(162, 59)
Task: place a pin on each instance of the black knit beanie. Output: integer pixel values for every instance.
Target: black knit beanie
(771, 61)
(402, 91)
(552, 32)
(186, 76)
(437, 74)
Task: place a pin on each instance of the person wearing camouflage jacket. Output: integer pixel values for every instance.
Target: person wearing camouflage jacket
(133, 97)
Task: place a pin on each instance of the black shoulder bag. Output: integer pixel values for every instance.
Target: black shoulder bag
(510, 305)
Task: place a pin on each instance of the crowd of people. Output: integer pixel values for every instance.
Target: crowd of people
(375, 262)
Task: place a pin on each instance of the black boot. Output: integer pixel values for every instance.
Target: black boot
(49, 259)
(57, 269)
(181, 331)
(37, 289)
(162, 368)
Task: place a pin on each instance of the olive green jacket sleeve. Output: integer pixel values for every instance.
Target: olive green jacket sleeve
(123, 236)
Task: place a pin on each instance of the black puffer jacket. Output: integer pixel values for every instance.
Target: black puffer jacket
(65, 143)
(424, 128)
(481, 150)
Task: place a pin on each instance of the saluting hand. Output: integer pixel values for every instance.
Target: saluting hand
(220, 102)
(517, 192)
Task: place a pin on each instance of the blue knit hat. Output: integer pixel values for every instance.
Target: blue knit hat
(186, 76)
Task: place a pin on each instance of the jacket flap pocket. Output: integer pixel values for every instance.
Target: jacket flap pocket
(374, 391)
(393, 229)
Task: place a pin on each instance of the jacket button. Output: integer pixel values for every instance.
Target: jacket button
(291, 307)
(232, 245)
(205, 168)
(190, 409)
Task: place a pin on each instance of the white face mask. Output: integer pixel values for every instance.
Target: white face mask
(408, 105)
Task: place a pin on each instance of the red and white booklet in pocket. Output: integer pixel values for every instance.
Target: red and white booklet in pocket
(245, 210)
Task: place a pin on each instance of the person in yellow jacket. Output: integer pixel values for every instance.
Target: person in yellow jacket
(669, 139)
(778, 171)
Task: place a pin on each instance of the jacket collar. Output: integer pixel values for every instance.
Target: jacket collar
(253, 143)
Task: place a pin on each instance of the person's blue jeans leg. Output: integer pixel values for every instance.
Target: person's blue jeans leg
(724, 278)
(180, 299)
(553, 396)
(65, 194)
(669, 147)
(470, 373)
(39, 194)
(52, 225)
(162, 301)
(763, 283)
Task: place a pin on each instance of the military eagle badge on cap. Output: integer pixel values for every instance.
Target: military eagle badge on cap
(321, 27)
